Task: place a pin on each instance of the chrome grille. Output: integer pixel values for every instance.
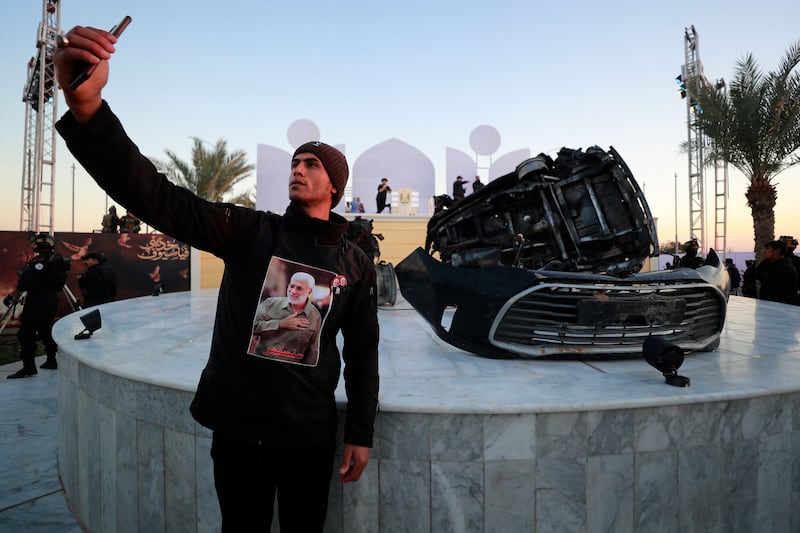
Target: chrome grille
(547, 318)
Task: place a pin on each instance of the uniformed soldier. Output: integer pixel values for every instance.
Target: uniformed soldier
(40, 279)
(129, 223)
(111, 220)
(691, 259)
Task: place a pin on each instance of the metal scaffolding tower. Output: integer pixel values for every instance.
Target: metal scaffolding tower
(41, 106)
(692, 75)
(720, 207)
(691, 70)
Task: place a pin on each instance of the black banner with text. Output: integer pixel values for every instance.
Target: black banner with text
(143, 263)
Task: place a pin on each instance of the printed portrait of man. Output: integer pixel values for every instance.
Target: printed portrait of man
(287, 325)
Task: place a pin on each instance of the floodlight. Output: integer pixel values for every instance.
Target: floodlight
(665, 357)
(92, 323)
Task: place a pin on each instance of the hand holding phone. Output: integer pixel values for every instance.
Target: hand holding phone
(87, 70)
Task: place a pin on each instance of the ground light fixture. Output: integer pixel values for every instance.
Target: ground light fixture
(665, 357)
(92, 323)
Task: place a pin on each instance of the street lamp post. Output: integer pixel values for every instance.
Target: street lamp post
(676, 213)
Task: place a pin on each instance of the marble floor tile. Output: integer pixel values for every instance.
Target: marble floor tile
(31, 497)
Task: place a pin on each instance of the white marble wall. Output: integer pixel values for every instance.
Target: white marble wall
(722, 456)
(132, 459)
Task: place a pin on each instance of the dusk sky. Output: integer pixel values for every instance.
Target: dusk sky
(545, 75)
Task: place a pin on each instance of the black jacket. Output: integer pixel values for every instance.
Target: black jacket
(283, 403)
(98, 285)
(736, 277)
(42, 278)
(778, 281)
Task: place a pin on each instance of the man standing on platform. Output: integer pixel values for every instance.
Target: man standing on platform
(383, 192)
(110, 220)
(458, 189)
(129, 223)
(274, 422)
(477, 184)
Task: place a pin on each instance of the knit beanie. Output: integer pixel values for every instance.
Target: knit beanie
(334, 163)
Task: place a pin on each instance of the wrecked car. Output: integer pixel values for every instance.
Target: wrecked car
(546, 262)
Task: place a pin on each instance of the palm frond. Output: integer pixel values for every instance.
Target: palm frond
(755, 126)
(212, 173)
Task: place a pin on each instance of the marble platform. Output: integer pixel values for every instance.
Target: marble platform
(463, 443)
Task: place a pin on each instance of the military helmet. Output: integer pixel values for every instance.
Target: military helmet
(790, 241)
(43, 242)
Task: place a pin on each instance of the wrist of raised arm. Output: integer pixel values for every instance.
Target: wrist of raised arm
(83, 109)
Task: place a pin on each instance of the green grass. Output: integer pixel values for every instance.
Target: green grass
(9, 349)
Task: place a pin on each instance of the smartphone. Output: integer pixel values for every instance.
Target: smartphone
(87, 71)
(117, 30)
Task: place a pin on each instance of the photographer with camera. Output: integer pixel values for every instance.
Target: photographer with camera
(99, 283)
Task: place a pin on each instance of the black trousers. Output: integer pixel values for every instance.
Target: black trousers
(248, 474)
(30, 330)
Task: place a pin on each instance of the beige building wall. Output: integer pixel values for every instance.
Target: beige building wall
(211, 268)
(402, 234)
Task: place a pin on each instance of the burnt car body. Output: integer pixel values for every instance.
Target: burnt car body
(546, 261)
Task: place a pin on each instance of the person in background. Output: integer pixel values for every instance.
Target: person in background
(99, 283)
(110, 220)
(41, 279)
(734, 275)
(477, 184)
(776, 275)
(791, 245)
(381, 197)
(129, 223)
(356, 206)
(458, 189)
(749, 286)
(690, 258)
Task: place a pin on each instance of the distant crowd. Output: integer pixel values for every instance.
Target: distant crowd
(774, 278)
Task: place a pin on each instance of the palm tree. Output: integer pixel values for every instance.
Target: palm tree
(245, 199)
(755, 126)
(212, 173)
